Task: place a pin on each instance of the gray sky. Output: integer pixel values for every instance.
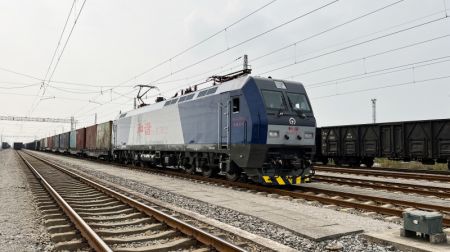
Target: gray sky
(405, 66)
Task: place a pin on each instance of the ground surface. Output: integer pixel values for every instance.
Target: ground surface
(20, 223)
(235, 208)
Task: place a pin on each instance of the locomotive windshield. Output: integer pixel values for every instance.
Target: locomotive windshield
(298, 102)
(274, 100)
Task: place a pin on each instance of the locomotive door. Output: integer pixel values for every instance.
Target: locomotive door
(224, 121)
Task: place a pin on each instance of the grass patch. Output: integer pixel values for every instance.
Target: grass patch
(386, 163)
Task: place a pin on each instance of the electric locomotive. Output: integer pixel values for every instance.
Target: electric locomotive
(260, 128)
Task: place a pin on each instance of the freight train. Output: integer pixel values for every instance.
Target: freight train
(18, 145)
(427, 141)
(242, 126)
(5, 145)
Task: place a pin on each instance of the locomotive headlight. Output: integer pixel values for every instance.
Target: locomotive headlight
(274, 133)
(308, 135)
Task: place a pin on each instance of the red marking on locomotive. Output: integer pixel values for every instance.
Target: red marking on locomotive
(238, 121)
(293, 129)
(145, 128)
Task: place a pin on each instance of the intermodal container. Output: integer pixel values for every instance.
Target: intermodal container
(64, 140)
(103, 141)
(81, 139)
(73, 140)
(91, 137)
(49, 143)
(55, 142)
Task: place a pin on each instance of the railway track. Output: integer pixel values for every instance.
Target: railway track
(394, 174)
(405, 170)
(441, 192)
(367, 203)
(108, 220)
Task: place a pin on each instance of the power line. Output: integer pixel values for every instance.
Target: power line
(246, 41)
(59, 41)
(326, 30)
(21, 74)
(196, 44)
(20, 87)
(372, 55)
(151, 96)
(59, 57)
(242, 42)
(354, 45)
(200, 42)
(384, 87)
(379, 72)
(360, 37)
(65, 44)
(53, 57)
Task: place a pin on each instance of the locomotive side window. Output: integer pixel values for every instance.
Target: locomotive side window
(236, 105)
(298, 102)
(274, 100)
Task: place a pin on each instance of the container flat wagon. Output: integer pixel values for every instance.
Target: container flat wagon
(98, 140)
(427, 141)
(55, 141)
(64, 141)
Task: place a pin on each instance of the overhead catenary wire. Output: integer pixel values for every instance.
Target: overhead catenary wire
(200, 42)
(47, 82)
(67, 41)
(59, 41)
(84, 85)
(325, 31)
(245, 41)
(195, 45)
(384, 87)
(365, 15)
(369, 74)
(371, 55)
(354, 45)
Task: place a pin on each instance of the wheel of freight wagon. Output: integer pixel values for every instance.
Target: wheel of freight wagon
(368, 162)
(324, 161)
(337, 162)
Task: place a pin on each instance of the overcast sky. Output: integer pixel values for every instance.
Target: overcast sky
(398, 54)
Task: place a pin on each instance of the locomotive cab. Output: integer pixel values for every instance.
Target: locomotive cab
(280, 131)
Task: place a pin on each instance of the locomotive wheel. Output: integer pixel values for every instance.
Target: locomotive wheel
(233, 173)
(208, 171)
(189, 169)
(233, 176)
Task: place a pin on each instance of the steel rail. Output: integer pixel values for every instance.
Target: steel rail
(411, 175)
(296, 194)
(405, 170)
(322, 199)
(187, 229)
(408, 188)
(86, 231)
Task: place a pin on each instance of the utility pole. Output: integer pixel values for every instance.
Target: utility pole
(374, 110)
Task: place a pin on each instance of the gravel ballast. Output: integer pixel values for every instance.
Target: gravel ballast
(21, 226)
(130, 179)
